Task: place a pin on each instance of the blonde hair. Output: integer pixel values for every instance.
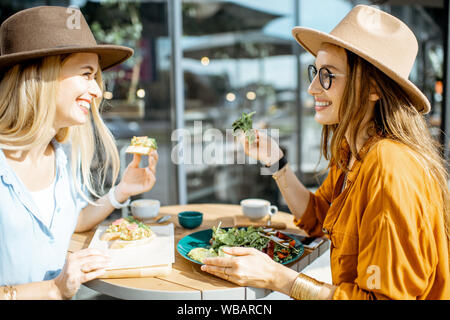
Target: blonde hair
(27, 112)
(395, 117)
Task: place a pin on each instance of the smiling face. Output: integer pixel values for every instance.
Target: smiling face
(77, 89)
(327, 102)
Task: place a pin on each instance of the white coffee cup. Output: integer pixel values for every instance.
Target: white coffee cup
(256, 209)
(145, 208)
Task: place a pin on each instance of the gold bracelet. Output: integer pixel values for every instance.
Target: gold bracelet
(279, 174)
(10, 293)
(305, 288)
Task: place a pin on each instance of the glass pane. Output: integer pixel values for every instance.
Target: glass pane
(238, 57)
(137, 95)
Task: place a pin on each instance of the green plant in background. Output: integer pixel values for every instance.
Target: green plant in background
(118, 31)
(118, 22)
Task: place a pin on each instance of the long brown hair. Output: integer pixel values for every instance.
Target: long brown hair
(395, 117)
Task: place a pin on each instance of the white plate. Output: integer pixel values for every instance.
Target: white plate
(158, 252)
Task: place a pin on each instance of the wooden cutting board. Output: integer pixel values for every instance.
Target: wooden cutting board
(242, 221)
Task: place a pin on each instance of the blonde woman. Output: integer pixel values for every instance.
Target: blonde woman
(50, 130)
(384, 203)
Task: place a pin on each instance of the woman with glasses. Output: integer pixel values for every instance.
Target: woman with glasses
(384, 203)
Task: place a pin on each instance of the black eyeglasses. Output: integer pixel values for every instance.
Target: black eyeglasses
(325, 76)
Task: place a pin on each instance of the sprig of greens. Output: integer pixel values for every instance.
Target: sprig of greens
(245, 123)
(131, 219)
(153, 143)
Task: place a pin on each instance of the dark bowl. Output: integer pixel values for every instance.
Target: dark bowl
(190, 219)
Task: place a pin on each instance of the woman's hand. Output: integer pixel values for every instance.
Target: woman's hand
(80, 267)
(136, 180)
(251, 267)
(264, 148)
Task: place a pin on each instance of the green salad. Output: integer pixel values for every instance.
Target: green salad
(276, 244)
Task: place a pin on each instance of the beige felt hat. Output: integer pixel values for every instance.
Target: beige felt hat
(50, 30)
(378, 37)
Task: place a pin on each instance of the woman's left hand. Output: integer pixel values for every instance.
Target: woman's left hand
(136, 180)
(248, 267)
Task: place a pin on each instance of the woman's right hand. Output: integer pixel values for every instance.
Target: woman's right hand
(81, 266)
(263, 148)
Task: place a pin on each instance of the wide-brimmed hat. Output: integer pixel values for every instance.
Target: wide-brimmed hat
(50, 30)
(378, 37)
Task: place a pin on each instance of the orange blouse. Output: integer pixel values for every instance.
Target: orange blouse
(386, 227)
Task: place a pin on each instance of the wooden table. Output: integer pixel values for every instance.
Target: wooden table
(186, 280)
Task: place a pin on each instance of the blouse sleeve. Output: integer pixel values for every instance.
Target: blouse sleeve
(319, 202)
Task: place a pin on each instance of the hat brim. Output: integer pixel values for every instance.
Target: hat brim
(311, 40)
(109, 55)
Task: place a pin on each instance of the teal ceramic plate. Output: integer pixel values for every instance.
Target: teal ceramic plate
(200, 239)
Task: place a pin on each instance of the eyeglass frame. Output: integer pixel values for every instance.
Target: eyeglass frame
(318, 72)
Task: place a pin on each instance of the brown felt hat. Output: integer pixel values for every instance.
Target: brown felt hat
(49, 30)
(378, 37)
